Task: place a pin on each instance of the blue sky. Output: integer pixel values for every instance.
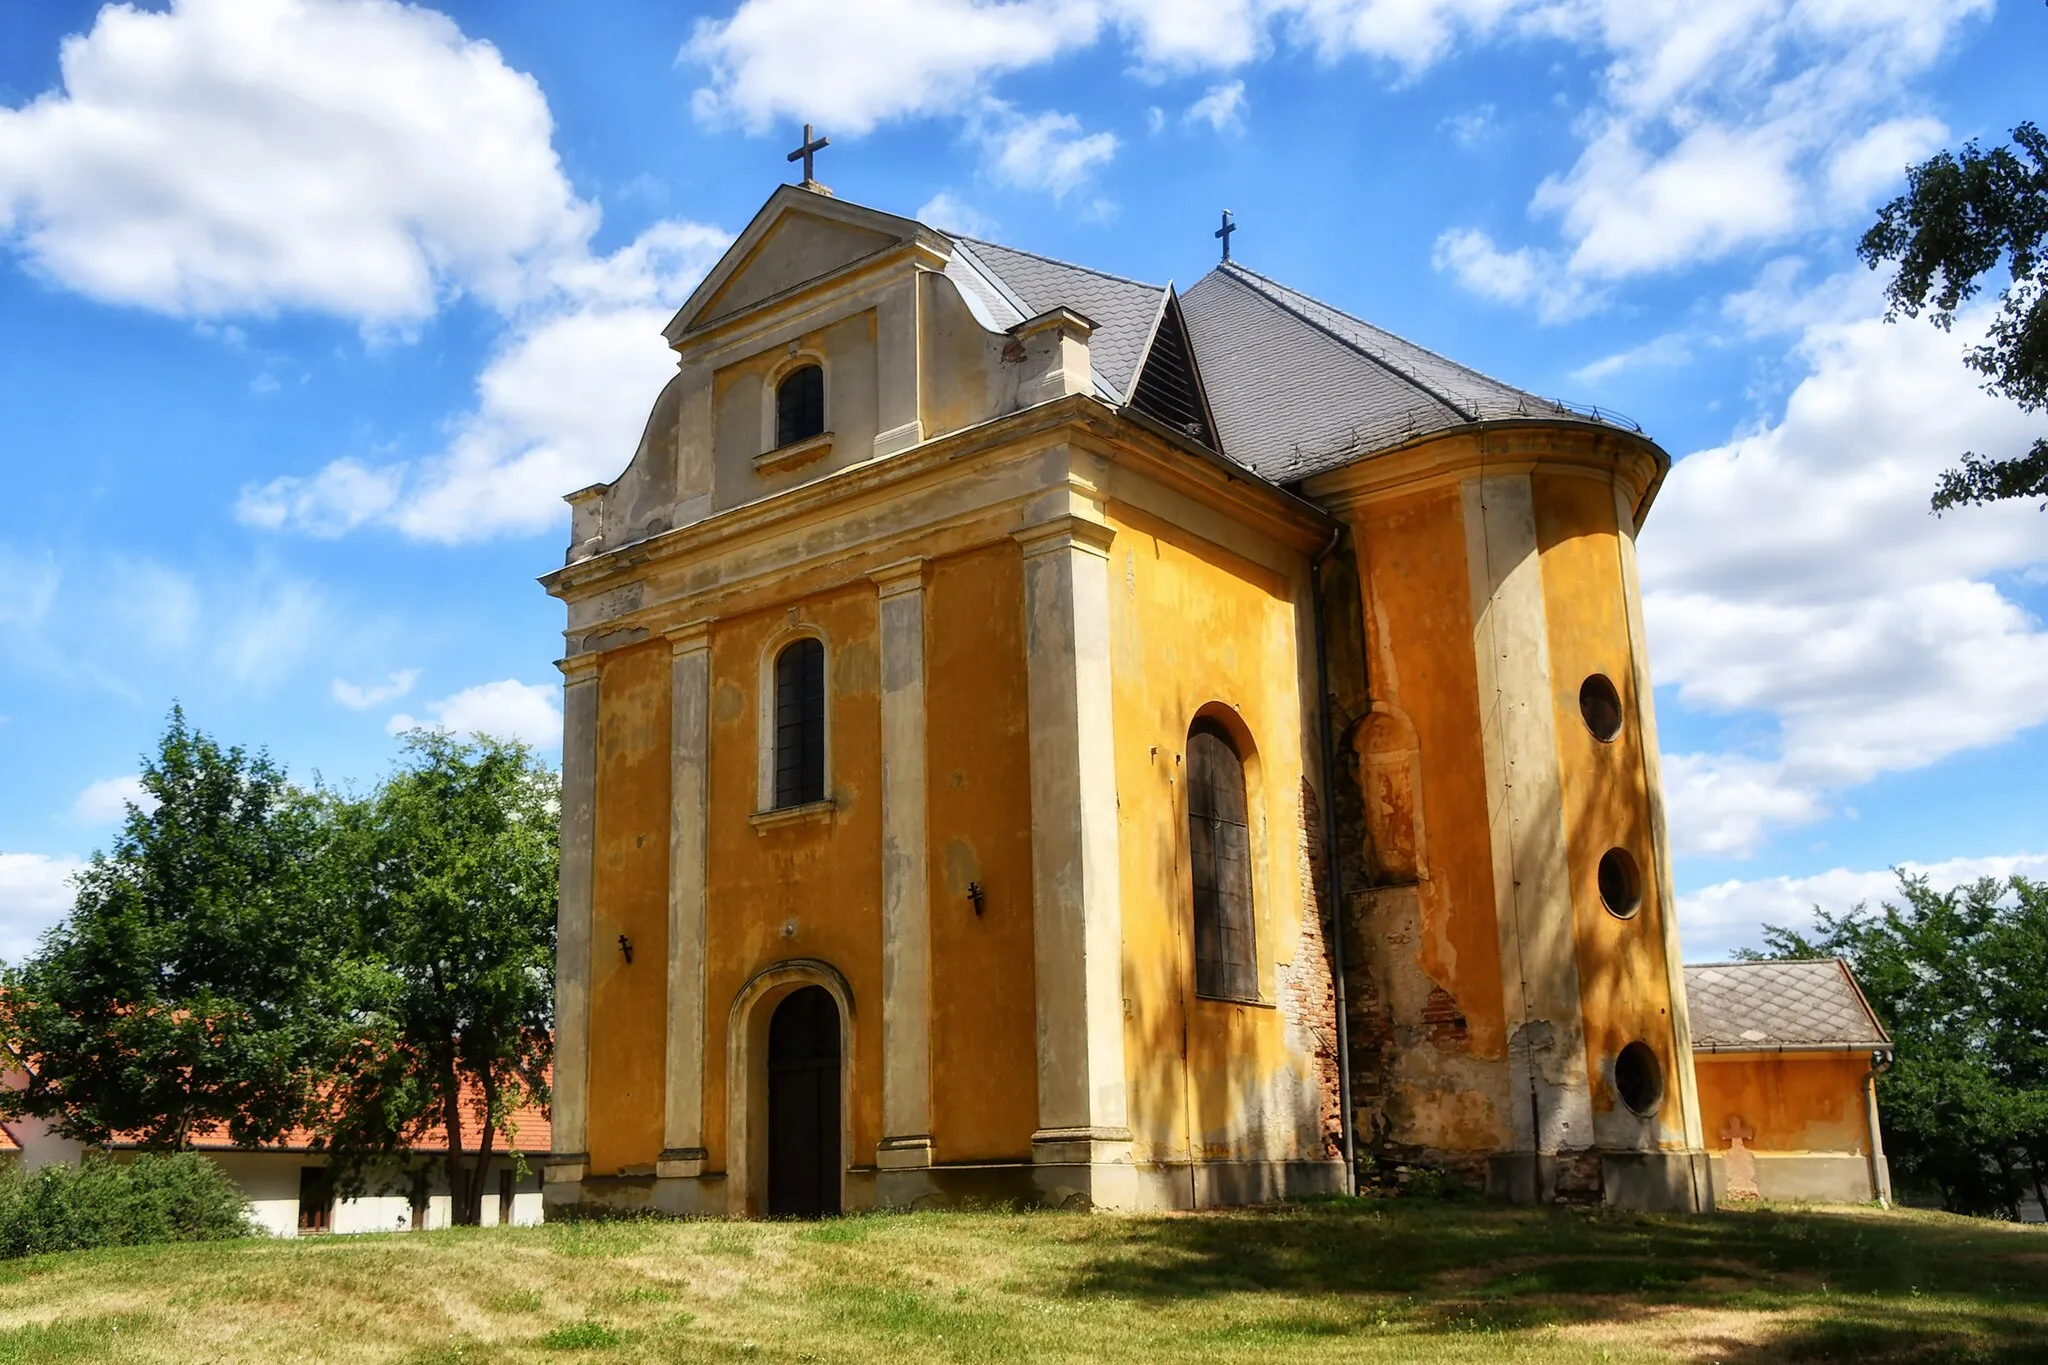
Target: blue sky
(309, 311)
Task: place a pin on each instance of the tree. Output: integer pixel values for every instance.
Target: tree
(1961, 215)
(1956, 979)
(194, 984)
(450, 870)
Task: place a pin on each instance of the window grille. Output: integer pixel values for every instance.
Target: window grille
(800, 405)
(1219, 850)
(800, 724)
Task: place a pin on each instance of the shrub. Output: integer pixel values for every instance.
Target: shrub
(181, 1197)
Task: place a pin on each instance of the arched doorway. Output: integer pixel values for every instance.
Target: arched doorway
(803, 1105)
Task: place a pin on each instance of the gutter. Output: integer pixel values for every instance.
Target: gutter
(1332, 866)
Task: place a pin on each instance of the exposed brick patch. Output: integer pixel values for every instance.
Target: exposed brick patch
(1442, 1020)
(1307, 987)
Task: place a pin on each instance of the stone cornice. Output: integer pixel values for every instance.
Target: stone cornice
(1080, 423)
(1519, 445)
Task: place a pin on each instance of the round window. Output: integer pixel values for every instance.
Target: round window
(1621, 883)
(1600, 704)
(1638, 1079)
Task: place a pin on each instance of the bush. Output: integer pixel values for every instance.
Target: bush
(103, 1203)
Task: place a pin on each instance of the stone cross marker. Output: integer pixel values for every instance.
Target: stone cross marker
(812, 146)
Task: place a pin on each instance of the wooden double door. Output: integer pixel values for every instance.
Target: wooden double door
(804, 1156)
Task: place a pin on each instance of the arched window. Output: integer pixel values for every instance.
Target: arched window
(1220, 849)
(800, 723)
(800, 405)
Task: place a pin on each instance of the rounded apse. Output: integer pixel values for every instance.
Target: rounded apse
(1600, 705)
(1638, 1079)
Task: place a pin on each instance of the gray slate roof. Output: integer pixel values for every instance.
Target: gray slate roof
(1299, 387)
(1124, 311)
(1759, 1006)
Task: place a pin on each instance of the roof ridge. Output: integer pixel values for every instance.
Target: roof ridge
(1231, 270)
(1769, 962)
(1054, 260)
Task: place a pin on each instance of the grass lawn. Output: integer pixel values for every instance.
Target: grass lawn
(1348, 1281)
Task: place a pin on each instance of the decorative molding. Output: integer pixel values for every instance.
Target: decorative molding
(896, 440)
(681, 1162)
(811, 812)
(1066, 533)
(691, 637)
(579, 669)
(905, 575)
(793, 455)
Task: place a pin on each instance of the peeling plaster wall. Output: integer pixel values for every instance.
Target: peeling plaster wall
(846, 347)
(1426, 939)
(1197, 629)
(978, 753)
(1791, 1101)
(628, 1001)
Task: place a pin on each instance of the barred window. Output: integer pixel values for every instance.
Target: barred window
(800, 405)
(800, 724)
(1219, 848)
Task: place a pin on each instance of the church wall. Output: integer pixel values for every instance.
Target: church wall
(628, 1001)
(961, 361)
(1427, 938)
(743, 408)
(1193, 626)
(978, 754)
(803, 888)
(1623, 980)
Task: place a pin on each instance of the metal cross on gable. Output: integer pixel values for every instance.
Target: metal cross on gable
(812, 146)
(1229, 226)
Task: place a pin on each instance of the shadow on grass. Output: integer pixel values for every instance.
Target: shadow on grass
(1839, 1286)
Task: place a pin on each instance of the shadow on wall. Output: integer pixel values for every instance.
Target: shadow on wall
(1849, 1285)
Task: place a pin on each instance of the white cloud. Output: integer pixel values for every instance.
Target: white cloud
(1470, 127)
(1221, 107)
(105, 802)
(1796, 574)
(946, 212)
(355, 157)
(393, 687)
(560, 405)
(1664, 352)
(1522, 276)
(35, 892)
(1046, 151)
(1716, 920)
(504, 710)
(849, 67)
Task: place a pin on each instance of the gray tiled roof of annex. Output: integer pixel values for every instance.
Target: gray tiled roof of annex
(1122, 310)
(1299, 387)
(1745, 1006)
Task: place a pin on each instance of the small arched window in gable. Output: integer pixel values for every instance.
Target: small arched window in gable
(800, 723)
(800, 405)
(1219, 848)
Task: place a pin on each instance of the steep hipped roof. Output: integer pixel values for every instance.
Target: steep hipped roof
(1124, 311)
(1763, 1006)
(1298, 387)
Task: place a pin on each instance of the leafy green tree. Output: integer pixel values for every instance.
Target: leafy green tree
(193, 986)
(1956, 978)
(450, 873)
(1962, 215)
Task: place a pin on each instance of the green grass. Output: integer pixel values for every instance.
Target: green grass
(1346, 1281)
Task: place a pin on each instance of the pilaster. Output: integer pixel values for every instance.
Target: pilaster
(906, 894)
(572, 925)
(682, 1142)
(1550, 1101)
(1077, 914)
(898, 424)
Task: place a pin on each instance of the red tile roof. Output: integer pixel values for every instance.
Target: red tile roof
(527, 1131)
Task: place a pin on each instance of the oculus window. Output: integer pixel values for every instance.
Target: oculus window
(800, 723)
(1219, 850)
(800, 405)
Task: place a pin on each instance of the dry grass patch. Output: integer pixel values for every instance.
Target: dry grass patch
(1345, 1281)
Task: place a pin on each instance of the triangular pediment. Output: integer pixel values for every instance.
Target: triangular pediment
(1169, 388)
(798, 236)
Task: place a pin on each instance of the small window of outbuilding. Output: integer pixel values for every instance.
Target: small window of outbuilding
(800, 405)
(1219, 850)
(800, 723)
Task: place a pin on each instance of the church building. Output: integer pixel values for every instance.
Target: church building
(1034, 735)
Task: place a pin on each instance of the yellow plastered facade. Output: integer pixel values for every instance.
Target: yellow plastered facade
(1026, 598)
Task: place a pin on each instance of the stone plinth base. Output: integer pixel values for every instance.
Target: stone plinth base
(1654, 1182)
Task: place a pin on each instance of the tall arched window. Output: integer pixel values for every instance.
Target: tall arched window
(1220, 849)
(800, 723)
(800, 405)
